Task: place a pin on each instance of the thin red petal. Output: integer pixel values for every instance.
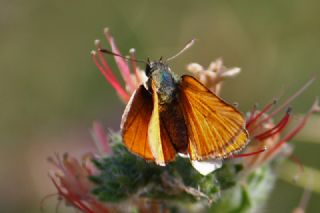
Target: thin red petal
(276, 129)
(252, 114)
(287, 102)
(121, 63)
(263, 111)
(98, 207)
(71, 199)
(101, 138)
(293, 132)
(116, 85)
(106, 67)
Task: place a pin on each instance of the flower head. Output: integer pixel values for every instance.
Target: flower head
(214, 75)
(132, 79)
(71, 176)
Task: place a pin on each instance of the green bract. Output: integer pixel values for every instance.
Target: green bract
(178, 186)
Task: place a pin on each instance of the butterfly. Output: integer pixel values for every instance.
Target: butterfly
(169, 115)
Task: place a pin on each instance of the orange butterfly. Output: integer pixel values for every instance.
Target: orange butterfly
(170, 115)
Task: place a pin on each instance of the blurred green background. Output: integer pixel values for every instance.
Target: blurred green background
(51, 91)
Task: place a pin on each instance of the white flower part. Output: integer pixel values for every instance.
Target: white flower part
(231, 72)
(207, 166)
(183, 155)
(203, 79)
(216, 66)
(194, 67)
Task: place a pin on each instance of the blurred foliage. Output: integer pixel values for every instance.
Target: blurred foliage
(49, 85)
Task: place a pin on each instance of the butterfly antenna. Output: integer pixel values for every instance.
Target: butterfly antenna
(187, 46)
(121, 56)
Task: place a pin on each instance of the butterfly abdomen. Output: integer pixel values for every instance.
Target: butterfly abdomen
(173, 122)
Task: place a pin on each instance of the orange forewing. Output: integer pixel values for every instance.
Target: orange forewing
(135, 122)
(159, 141)
(215, 129)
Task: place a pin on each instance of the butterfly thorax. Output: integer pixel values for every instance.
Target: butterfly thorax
(164, 80)
(171, 116)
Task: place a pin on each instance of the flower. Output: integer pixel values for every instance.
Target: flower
(214, 75)
(264, 132)
(131, 79)
(71, 176)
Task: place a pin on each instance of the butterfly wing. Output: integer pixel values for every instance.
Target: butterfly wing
(135, 122)
(215, 129)
(158, 137)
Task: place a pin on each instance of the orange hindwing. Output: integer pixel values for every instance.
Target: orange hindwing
(215, 129)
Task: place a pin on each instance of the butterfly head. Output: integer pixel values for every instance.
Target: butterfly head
(155, 66)
(159, 74)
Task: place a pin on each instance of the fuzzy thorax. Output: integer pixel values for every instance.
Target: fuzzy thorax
(164, 81)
